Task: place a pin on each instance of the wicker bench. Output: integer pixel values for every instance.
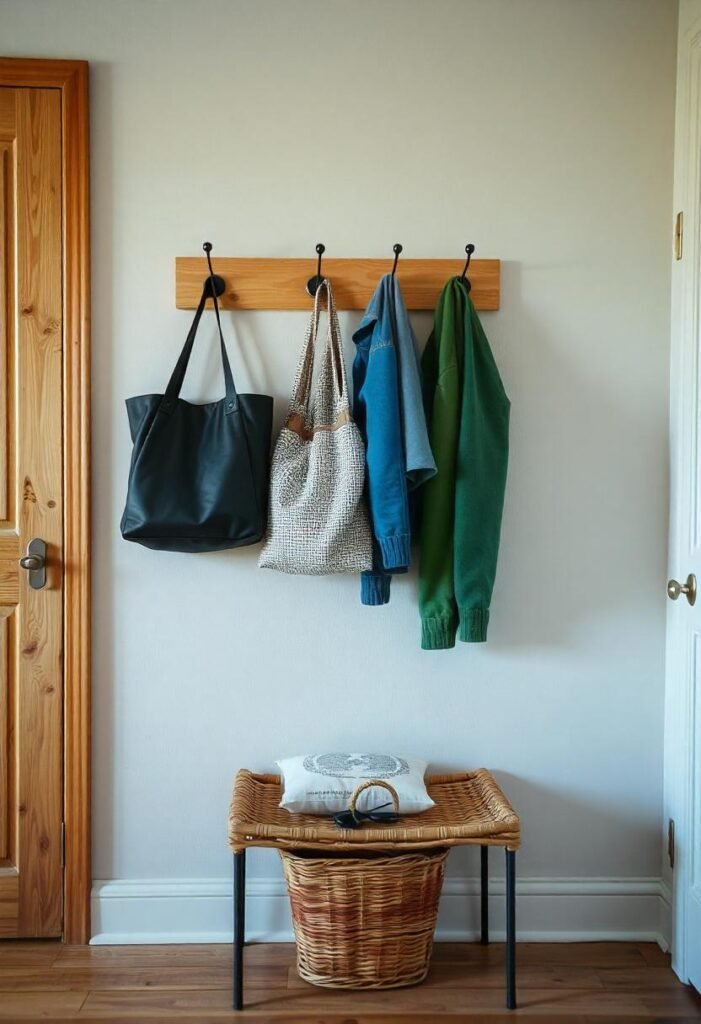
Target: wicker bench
(470, 810)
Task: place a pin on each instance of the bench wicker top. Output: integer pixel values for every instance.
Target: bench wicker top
(470, 809)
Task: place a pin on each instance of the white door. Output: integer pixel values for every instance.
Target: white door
(683, 684)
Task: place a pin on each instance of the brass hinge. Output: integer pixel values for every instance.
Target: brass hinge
(679, 235)
(63, 844)
(670, 842)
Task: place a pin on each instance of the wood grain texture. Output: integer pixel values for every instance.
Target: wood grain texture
(31, 668)
(9, 902)
(70, 79)
(9, 583)
(281, 283)
(35, 1006)
(8, 505)
(9, 545)
(77, 533)
(38, 73)
(6, 735)
(39, 717)
(7, 120)
(9, 537)
(574, 983)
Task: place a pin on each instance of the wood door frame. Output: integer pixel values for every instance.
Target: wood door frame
(70, 77)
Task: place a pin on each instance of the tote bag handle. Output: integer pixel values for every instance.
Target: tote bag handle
(178, 376)
(301, 394)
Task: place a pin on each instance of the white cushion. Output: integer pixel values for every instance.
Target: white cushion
(324, 783)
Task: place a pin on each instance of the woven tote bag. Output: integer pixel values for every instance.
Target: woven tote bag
(317, 519)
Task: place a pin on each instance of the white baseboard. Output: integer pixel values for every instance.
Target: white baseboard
(547, 910)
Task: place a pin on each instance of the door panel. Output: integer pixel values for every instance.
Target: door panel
(691, 855)
(31, 504)
(683, 677)
(6, 305)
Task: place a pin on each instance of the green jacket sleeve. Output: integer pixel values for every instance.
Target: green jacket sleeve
(480, 479)
(441, 371)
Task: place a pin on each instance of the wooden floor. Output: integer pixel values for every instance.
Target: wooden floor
(577, 983)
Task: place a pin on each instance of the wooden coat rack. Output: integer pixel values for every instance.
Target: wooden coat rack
(281, 283)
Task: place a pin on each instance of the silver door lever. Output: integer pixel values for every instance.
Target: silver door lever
(34, 562)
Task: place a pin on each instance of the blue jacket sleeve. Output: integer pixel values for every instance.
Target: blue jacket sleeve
(377, 413)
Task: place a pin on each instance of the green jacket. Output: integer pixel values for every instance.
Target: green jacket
(467, 411)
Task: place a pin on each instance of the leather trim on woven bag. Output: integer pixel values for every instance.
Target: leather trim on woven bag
(296, 424)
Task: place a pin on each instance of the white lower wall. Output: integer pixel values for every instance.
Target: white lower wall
(548, 909)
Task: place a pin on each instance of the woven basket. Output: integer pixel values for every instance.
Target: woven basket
(364, 921)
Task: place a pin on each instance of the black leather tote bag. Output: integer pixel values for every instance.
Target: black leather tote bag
(199, 474)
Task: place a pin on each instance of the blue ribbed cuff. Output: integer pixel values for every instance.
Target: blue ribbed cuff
(374, 588)
(473, 625)
(437, 634)
(396, 551)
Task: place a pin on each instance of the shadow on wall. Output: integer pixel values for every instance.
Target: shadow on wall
(571, 515)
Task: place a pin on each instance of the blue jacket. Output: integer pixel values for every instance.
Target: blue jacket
(388, 408)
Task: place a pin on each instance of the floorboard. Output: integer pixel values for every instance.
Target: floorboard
(577, 983)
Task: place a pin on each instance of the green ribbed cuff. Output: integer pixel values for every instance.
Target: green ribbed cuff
(437, 634)
(473, 625)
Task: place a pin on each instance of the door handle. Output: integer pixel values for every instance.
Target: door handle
(34, 562)
(675, 588)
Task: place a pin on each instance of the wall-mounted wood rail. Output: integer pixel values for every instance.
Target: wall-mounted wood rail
(281, 283)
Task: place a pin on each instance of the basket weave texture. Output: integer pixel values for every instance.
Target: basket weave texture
(364, 922)
(470, 809)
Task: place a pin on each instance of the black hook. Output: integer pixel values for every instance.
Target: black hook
(314, 283)
(396, 249)
(214, 285)
(469, 249)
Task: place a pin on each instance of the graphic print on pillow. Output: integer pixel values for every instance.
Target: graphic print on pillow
(357, 766)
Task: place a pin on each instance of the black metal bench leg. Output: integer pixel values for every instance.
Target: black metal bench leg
(239, 924)
(510, 929)
(484, 894)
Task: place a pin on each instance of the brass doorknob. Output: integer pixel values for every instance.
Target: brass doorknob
(675, 588)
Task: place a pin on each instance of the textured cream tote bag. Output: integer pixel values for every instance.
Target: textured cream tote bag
(318, 521)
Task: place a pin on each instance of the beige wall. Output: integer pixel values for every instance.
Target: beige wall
(542, 131)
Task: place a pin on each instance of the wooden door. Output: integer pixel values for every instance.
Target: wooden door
(31, 506)
(683, 680)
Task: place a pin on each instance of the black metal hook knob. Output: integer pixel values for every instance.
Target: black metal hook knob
(396, 249)
(214, 285)
(314, 283)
